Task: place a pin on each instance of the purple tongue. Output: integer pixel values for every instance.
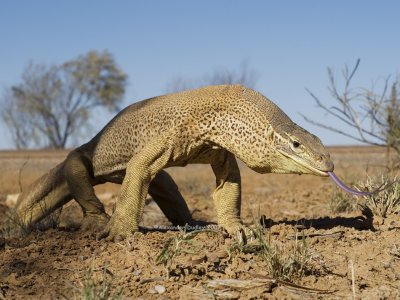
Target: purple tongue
(350, 190)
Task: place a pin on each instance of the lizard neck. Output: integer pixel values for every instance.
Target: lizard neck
(242, 123)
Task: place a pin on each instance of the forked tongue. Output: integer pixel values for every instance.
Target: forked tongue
(353, 191)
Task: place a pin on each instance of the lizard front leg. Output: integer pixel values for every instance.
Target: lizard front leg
(227, 195)
(140, 171)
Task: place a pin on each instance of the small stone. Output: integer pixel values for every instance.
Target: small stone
(137, 272)
(160, 289)
(213, 258)
(388, 264)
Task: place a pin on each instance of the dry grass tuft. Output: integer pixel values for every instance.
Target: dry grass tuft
(386, 202)
(341, 202)
(382, 204)
(286, 262)
(182, 243)
(13, 227)
(92, 289)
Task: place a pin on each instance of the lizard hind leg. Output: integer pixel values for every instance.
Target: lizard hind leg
(165, 193)
(79, 175)
(44, 196)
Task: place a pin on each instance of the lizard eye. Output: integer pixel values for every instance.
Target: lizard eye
(296, 144)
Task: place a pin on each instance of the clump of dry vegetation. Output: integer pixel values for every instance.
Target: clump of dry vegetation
(92, 289)
(13, 226)
(285, 261)
(182, 243)
(383, 203)
(386, 202)
(341, 202)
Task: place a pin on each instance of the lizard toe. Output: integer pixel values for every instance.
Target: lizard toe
(116, 231)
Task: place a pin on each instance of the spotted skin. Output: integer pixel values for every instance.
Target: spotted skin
(211, 125)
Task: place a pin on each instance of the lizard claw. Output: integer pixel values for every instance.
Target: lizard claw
(243, 234)
(116, 231)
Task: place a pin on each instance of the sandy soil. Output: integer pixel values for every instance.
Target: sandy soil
(348, 253)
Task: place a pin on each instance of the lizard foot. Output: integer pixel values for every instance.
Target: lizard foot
(94, 222)
(243, 234)
(117, 230)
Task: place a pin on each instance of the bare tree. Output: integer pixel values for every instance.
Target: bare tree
(374, 117)
(244, 75)
(52, 103)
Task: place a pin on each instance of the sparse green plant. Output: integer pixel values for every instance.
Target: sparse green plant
(182, 243)
(284, 262)
(240, 245)
(387, 201)
(92, 289)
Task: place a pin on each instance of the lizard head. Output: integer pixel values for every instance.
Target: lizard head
(298, 151)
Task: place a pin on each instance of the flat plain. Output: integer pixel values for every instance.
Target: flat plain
(320, 252)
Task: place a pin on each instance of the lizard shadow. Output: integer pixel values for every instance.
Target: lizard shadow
(363, 222)
(193, 226)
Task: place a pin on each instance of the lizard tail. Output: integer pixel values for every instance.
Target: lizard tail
(43, 197)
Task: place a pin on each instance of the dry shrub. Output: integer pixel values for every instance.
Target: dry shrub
(385, 202)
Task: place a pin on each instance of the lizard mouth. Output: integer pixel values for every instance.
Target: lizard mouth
(316, 171)
(313, 170)
(304, 165)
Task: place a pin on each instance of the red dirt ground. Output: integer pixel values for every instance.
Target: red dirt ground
(349, 253)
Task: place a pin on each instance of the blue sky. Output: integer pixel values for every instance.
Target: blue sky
(288, 43)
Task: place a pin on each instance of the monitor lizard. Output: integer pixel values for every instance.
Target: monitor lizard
(211, 125)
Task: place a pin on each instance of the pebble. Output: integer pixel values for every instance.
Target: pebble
(137, 272)
(159, 288)
(213, 258)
